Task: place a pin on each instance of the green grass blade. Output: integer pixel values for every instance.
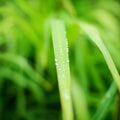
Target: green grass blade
(93, 33)
(79, 101)
(80, 63)
(110, 95)
(23, 64)
(62, 65)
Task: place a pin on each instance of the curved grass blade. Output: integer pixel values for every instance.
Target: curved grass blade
(21, 81)
(22, 64)
(110, 95)
(14, 76)
(93, 34)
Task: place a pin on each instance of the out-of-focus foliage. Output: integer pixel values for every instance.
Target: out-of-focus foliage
(28, 80)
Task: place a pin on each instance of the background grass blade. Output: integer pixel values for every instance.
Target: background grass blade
(62, 64)
(93, 33)
(110, 95)
(80, 103)
(21, 63)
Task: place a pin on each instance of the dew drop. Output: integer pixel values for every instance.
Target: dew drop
(56, 59)
(56, 63)
(59, 69)
(65, 32)
(66, 96)
(67, 61)
(67, 49)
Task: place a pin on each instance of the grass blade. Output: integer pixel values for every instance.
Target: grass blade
(62, 65)
(110, 95)
(79, 101)
(93, 33)
(23, 64)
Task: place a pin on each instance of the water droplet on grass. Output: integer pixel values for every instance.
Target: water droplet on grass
(56, 59)
(67, 49)
(56, 63)
(59, 69)
(66, 96)
(65, 32)
(67, 61)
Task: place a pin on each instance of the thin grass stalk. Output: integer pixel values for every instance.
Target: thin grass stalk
(110, 95)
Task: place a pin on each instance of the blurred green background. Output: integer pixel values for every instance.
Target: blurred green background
(28, 79)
